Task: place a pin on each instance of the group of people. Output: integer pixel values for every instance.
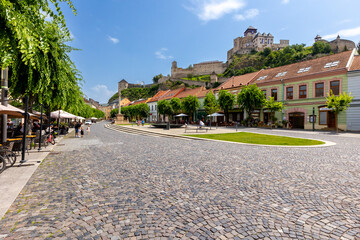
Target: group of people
(79, 129)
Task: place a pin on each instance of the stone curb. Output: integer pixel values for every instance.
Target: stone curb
(326, 143)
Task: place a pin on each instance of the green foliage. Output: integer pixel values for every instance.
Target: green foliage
(202, 78)
(175, 105)
(358, 47)
(115, 111)
(273, 106)
(189, 105)
(210, 104)
(320, 47)
(164, 107)
(226, 102)
(216, 84)
(250, 98)
(247, 63)
(338, 103)
(136, 93)
(156, 78)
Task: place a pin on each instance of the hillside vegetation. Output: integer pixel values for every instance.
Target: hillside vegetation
(242, 64)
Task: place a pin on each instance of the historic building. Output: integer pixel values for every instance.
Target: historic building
(203, 68)
(252, 40)
(303, 88)
(338, 45)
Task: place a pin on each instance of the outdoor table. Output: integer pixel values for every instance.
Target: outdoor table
(13, 139)
(32, 138)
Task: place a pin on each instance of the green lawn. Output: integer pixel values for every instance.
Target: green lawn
(256, 138)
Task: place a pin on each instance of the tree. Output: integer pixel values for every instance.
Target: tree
(226, 101)
(358, 47)
(250, 98)
(157, 77)
(210, 104)
(115, 111)
(175, 105)
(143, 110)
(320, 47)
(273, 106)
(164, 108)
(189, 105)
(338, 104)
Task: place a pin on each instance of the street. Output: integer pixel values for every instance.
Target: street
(112, 185)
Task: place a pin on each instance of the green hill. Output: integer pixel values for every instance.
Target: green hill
(246, 63)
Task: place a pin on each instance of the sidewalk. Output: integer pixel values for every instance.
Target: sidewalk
(13, 179)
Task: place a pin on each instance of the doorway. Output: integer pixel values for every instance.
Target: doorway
(297, 120)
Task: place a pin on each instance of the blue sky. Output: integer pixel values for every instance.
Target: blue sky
(138, 39)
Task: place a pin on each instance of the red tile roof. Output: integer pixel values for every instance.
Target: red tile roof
(190, 91)
(171, 93)
(203, 92)
(158, 95)
(355, 64)
(318, 65)
(237, 81)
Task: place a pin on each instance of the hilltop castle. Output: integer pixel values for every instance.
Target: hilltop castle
(252, 40)
(337, 45)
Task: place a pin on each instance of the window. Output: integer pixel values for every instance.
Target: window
(323, 118)
(264, 92)
(289, 93)
(262, 78)
(281, 74)
(335, 87)
(302, 91)
(301, 70)
(331, 64)
(274, 94)
(319, 89)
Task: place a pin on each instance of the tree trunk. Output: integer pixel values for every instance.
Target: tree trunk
(336, 123)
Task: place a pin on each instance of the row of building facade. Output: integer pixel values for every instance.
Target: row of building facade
(302, 87)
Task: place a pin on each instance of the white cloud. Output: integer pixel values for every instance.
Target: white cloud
(249, 14)
(207, 10)
(344, 21)
(101, 93)
(285, 1)
(161, 54)
(352, 32)
(113, 40)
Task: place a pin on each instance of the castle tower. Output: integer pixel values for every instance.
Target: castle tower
(317, 38)
(250, 31)
(174, 65)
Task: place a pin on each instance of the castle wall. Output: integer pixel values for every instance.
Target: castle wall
(199, 69)
(339, 45)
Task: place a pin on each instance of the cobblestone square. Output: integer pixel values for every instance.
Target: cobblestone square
(112, 185)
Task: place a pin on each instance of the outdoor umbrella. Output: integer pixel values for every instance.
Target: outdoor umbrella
(181, 115)
(215, 115)
(14, 112)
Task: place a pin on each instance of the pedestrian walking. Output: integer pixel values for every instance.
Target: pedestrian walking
(81, 130)
(77, 126)
(143, 122)
(88, 129)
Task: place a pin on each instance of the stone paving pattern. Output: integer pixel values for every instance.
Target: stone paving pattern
(112, 185)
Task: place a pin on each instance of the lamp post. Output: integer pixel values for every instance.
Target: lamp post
(4, 101)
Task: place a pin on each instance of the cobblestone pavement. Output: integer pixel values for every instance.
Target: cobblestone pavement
(112, 185)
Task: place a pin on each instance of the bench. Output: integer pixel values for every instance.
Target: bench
(196, 129)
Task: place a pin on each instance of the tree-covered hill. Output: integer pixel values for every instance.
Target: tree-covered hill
(246, 63)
